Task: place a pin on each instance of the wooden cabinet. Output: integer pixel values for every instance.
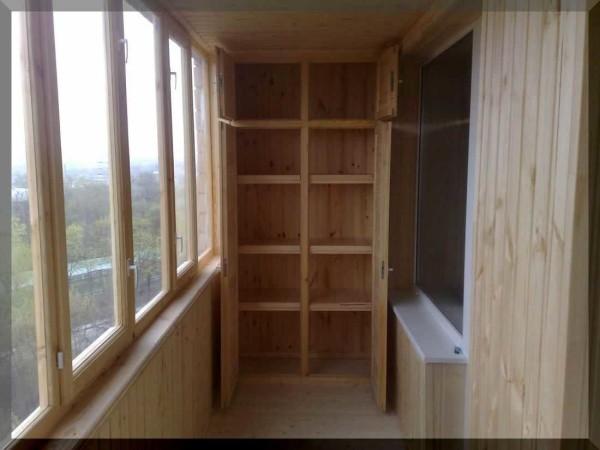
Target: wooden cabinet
(430, 396)
(300, 170)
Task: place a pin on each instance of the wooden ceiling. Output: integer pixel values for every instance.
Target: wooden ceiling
(298, 25)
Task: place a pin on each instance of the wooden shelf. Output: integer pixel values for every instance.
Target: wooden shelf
(340, 300)
(354, 124)
(269, 300)
(269, 306)
(269, 365)
(269, 248)
(268, 179)
(341, 179)
(341, 247)
(290, 124)
(267, 124)
(336, 367)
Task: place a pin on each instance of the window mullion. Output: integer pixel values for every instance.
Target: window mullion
(168, 240)
(120, 183)
(190, 162)
(50, 200)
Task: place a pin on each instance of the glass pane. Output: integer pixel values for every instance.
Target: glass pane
(24, 371)
(85, 143)
(177, 105)
(202, 147)
(143, 155)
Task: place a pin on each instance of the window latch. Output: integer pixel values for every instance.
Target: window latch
(60, 360)
(132, 267)
(174, 80)
(125, 43)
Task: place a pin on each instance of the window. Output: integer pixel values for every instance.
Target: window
(24, 381)
(179, 151)
(143, 155)
(85, 144)
(443, 174)
(202, 146)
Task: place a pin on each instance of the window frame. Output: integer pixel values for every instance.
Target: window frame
(208, 160)
(62, 387)
(174, 32)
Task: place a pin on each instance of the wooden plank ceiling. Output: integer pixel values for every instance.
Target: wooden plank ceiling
(298, 25)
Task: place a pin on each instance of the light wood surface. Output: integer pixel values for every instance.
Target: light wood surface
(305, 171)
(229, 262)
(226, 85)
(594, 164)
(143, 395)
(387, 83)
(299, 26)
(307, 410)
(429, 398)
(528, 378)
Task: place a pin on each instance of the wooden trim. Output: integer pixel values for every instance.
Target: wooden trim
(269, 306)
(333, 249)
(46, 305)
(190, 157)
(351, 124)
(268, 179)
(304, 224)
(269, 249)
(341, 179)
(302, 56)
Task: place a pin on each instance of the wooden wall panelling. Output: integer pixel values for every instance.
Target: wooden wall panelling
(268, 214)
(229, 279)
(268, 152)
(341, 213)
(342, 91)
(594, 164)
(527, 237)
(268, 333)
(272, 278)
(226, 85)
(267, 91)
(341, 152)
(403, 177)
(380, 265)
(387, 83)
(172, 396)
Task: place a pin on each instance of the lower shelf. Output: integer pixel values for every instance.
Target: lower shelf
(269, 365)
(340, 367)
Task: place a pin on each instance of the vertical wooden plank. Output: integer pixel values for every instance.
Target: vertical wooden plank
(387, 83)
(383, 138)
(229, 264)
(226, 85)
(304, 223)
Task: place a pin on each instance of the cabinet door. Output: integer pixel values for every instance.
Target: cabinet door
(226, 85)
(387, 83)
(229, 266)
(383, 139)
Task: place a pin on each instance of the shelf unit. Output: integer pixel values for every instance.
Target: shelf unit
(304, 179)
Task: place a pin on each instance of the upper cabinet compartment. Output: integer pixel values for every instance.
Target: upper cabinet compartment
(387, 83)
(342, 91)
(226, 85)
(267, 91)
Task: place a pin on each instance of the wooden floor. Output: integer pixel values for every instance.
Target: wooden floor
(274, 410)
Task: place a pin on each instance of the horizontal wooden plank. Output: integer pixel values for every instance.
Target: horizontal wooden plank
(267, 124)
(342, 124)
(269, 249)
(341, 247)
(268, 179)
(341, 179)
(269, 306)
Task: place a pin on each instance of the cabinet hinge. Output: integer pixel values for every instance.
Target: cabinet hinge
(383, 270)
(60, 360)
(225, 267)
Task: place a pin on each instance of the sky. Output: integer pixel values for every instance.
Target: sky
(82, 89)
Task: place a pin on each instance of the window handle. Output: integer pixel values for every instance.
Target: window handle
(133, 268)
(125, 44)
(174, 83)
